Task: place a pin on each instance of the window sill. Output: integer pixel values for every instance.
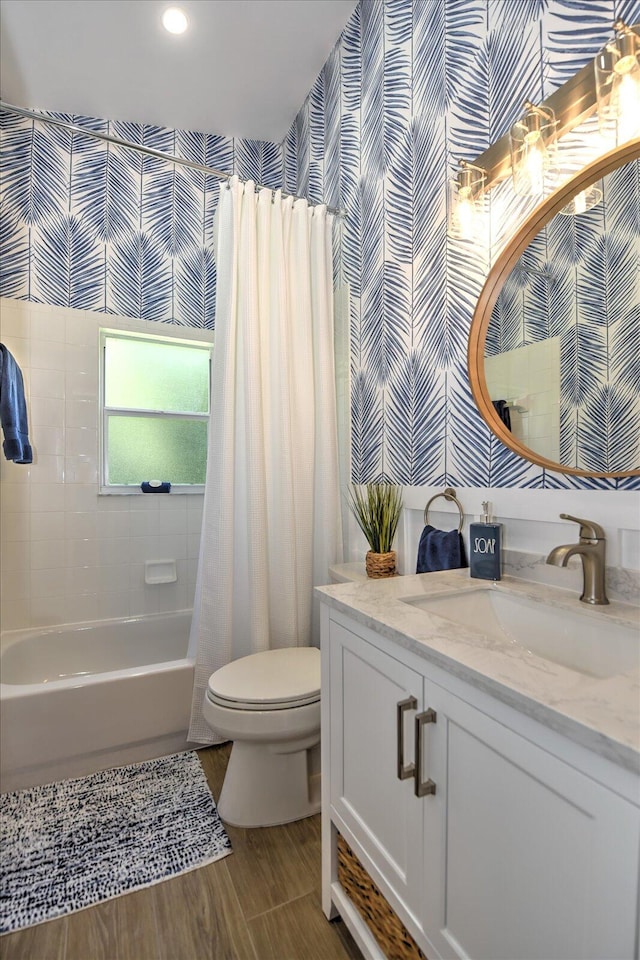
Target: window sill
(177, 490)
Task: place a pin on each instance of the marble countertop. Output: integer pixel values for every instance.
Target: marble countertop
(602, 714)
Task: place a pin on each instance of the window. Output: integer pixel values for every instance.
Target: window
(155, 411)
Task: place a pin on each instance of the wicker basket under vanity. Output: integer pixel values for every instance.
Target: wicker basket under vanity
(391, 935)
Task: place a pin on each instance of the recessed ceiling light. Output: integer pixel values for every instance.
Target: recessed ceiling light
(175, 20)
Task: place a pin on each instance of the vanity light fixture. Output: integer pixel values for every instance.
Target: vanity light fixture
(617, 74)
(174, 20)
(533, 150)
(529, 151)
(466, 201)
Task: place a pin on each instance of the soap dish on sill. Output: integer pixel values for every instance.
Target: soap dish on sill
(160, 571)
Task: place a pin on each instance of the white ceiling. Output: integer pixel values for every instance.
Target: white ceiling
(243, 68)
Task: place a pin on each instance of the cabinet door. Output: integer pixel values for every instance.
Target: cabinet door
(380, 810)
(536, 860)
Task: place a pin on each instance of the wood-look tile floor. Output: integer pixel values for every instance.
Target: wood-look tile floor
(260, 903)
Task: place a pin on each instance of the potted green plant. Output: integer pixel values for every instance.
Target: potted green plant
(377, 510)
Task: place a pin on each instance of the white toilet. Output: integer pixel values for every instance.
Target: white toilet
(269, 705)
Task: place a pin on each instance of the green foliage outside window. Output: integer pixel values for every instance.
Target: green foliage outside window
(148, 383)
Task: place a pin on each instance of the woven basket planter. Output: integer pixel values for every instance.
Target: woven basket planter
(381, 565)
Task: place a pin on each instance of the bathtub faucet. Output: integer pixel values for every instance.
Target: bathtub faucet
(591, 550)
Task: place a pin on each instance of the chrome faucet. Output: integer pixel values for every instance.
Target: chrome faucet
(591, 550)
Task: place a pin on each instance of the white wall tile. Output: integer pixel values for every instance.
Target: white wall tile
(111, 606)
(111, 552)
(81, 469)
(113, 578)
(48, 525)
(143, 523)
(81, 442)
(81, 581)
(47, 355)
(113, 525)
(15, 526)
(173, 546)
(48, 442)
(48, 583)
(15, 584)
(48, 327)
(194, 521)
(81, 413)
(15, 320)
(81, 608)
(143, 601)
(46, 383)
(81, 327)
(14, 497)
(172, 522)
(80, 497)
(48, 469)
(171, 596)
(81, 358)
(46, 554)
(81, 386)
(46, 412)
(16, 614)
(47, 497)
(15, 555)
(136, 577)
(11, 472)
(18, 474)
(80, 526)
(81, 553)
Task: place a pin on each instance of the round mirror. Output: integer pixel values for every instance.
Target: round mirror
(554, 347)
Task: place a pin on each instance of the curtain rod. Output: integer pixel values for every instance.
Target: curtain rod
(34, 115)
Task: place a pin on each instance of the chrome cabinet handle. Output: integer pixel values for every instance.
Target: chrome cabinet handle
(422, 787)
(409, 704)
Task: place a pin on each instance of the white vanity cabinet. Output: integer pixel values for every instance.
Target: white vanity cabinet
(519, 852)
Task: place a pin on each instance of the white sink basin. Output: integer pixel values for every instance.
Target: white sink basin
(581, 641)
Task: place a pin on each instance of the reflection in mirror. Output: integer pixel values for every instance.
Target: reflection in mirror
(562, 347)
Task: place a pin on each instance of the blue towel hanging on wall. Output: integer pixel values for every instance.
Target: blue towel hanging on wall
(13, 410)
(440, 550)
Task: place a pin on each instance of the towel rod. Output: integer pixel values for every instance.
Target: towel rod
(449, 494)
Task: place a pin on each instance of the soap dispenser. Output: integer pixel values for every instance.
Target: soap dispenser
(485, 547)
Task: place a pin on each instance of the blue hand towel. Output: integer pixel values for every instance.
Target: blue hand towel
(440, 550)
(13, 410)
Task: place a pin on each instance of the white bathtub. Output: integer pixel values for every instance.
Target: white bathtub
(79, 698)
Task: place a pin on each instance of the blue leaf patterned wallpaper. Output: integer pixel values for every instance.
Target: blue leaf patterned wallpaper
(412, 86)
(100, 227)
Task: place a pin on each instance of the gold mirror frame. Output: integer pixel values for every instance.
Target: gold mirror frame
(496, 280)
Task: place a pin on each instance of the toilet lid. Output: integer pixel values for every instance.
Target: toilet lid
(272, 680)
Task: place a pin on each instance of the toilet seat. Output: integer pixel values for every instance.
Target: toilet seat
(271, 680)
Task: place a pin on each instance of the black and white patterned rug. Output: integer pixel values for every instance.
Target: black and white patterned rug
(69, 845)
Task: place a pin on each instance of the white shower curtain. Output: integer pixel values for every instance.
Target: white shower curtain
(271, 523)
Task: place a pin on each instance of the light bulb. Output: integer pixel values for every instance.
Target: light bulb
(465, 200)
(466, 215)
(628, 101)
(534, 165)
(175, 20)
(580, 202)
